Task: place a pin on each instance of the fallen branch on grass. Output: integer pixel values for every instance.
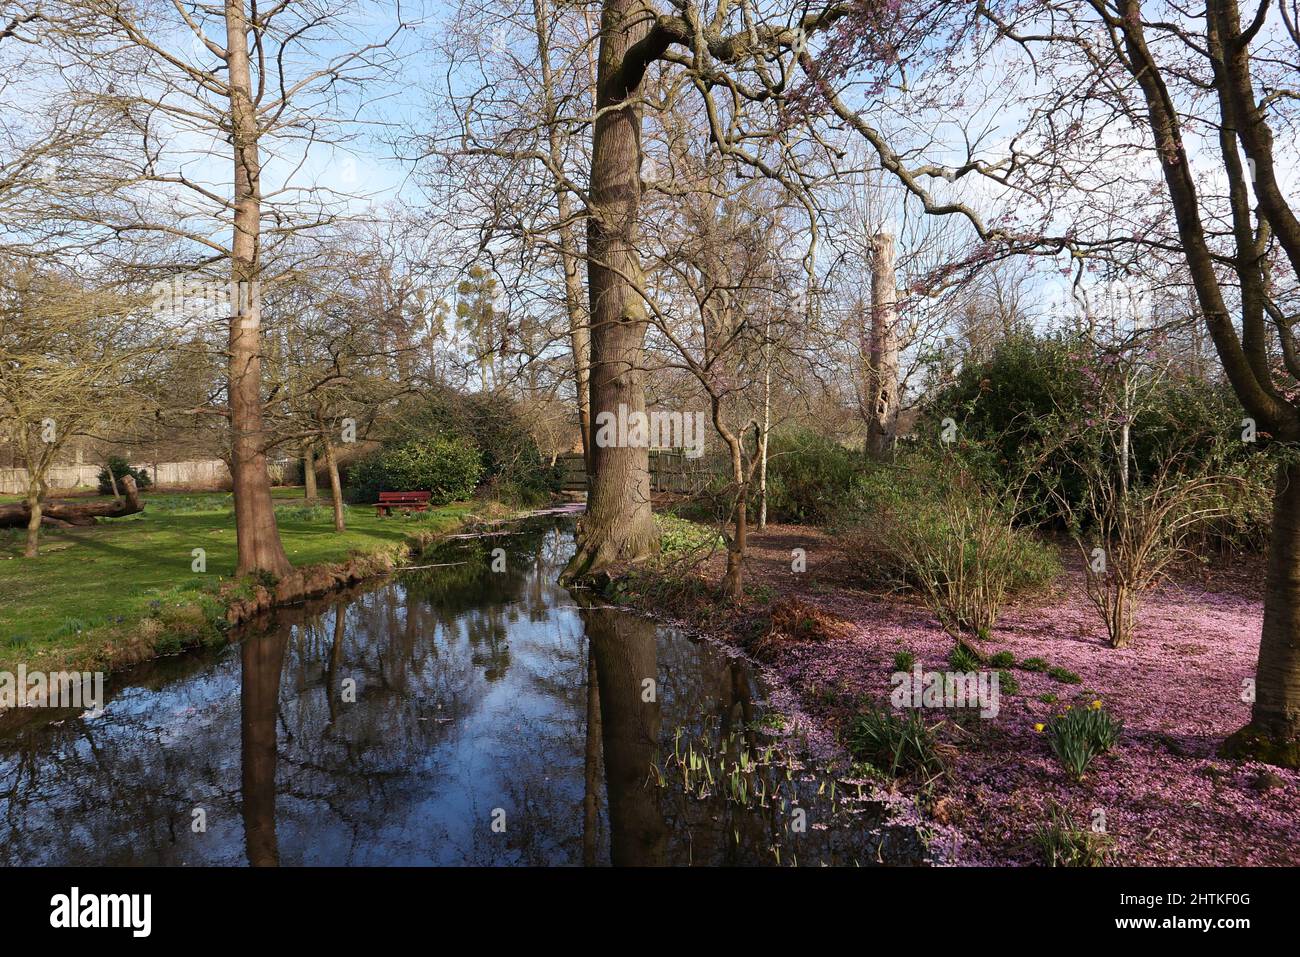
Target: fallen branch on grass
(63, 515)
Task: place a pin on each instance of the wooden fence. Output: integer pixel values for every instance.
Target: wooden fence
(671, 470)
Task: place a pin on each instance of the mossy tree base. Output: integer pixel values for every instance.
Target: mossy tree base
(1253, 743)
(601, 550)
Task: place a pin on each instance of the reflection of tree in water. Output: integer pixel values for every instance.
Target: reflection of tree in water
(261, 658)
(625, 654)
(120, 788)
(475, 690)
(415, 651)
(705, 694)
(472, 600)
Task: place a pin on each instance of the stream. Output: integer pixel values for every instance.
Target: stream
(448, 715)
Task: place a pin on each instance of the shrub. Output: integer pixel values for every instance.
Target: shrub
(119, 468)
(937, 526)
(1244, 523)
(904, 660)
(809, 477)
(448, 469)
(1006, 403)
(1079, 735)
(513, 467)
(896, 745)
(1033, 664)
(1141, 527)
(1018, 401)
(1002, 659)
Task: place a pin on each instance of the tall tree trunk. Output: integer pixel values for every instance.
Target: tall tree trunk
(309, 473)
(258, 538)
(618, 525)
(733, 580)
(579, 331)
(1274, 731)
(882, 372)
(1273, 734)
(767, 418)
(336, 487)
(733, 583)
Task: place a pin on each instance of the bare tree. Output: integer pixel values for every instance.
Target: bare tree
(634, 36)
(508, 160)
(261, 82)
(71, 360)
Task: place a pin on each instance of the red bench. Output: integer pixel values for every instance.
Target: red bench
(406, 501)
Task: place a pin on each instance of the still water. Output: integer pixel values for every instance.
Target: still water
(451, 715)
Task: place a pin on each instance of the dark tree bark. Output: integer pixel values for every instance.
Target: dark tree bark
(32, 517)
(332, 467)
(733, 584)
(336, 486)
(309, 473)
(1273, 734)
(618, 525)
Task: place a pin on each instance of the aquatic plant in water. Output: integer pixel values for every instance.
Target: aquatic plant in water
(757, 784)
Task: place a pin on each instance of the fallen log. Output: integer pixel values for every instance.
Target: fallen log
(63, 514)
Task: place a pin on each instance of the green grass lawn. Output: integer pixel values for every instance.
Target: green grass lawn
(123, 570)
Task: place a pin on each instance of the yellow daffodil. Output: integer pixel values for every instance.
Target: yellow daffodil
(1096, 705)
(1038, 727)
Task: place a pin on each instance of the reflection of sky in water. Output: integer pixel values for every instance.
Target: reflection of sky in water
(472, 695)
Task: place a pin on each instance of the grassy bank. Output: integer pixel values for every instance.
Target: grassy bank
(131, 581)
